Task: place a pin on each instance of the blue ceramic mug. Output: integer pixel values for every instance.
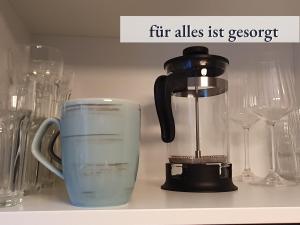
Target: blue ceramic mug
(99, 148)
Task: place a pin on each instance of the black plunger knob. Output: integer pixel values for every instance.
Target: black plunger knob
(195, 50)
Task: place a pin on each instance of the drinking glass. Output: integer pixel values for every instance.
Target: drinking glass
(239, 113)
(63, 90)
(45, 62)
(271, 96)
(285, 144)
(15, 110)
(292, 128)
(62, 93)
(44, 71)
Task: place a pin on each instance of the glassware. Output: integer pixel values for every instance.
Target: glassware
(63, 90)
(192, 107)
(44, 71)
(271, 96)
(45, 62)
(15, 110)
(289, 131)
(240, 114)
(286, 160)
(294, 124)
(294, 121)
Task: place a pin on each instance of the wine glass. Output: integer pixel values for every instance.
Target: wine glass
(239, 113)
(271, 95)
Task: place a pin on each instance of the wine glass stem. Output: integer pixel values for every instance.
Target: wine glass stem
(246, 148)
(273, 168)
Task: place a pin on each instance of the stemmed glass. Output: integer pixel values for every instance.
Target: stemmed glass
(239, 113)
(271, 96)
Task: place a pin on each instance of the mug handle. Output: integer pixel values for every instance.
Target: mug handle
(36, 146)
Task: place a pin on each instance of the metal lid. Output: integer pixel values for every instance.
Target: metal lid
(194, 59)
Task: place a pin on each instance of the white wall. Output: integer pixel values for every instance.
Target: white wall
(296, 49)
(13, 35)
(106, 68)
(13, 31)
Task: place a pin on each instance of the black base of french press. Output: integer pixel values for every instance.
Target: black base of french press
(199, 178)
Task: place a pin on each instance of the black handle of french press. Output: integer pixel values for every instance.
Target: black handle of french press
(164, 109)
(163, 88)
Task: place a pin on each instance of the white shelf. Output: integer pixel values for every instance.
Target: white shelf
(151, 205)
(100, 18)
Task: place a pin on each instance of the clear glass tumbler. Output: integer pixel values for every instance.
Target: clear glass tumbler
(294, 121)
(15, 110)
(285, 144)
(44, 71)
(289, 163)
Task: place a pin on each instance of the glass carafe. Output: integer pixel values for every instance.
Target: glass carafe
(201, 125)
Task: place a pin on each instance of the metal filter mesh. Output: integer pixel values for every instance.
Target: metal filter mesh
(202, 159)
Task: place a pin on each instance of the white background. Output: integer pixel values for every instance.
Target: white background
(136, 28)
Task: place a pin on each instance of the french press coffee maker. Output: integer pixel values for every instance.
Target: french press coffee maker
(191, 104)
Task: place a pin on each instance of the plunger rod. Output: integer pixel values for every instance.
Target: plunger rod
(197, 152)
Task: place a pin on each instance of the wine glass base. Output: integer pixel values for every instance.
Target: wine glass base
(273, 179)
(247, 176)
